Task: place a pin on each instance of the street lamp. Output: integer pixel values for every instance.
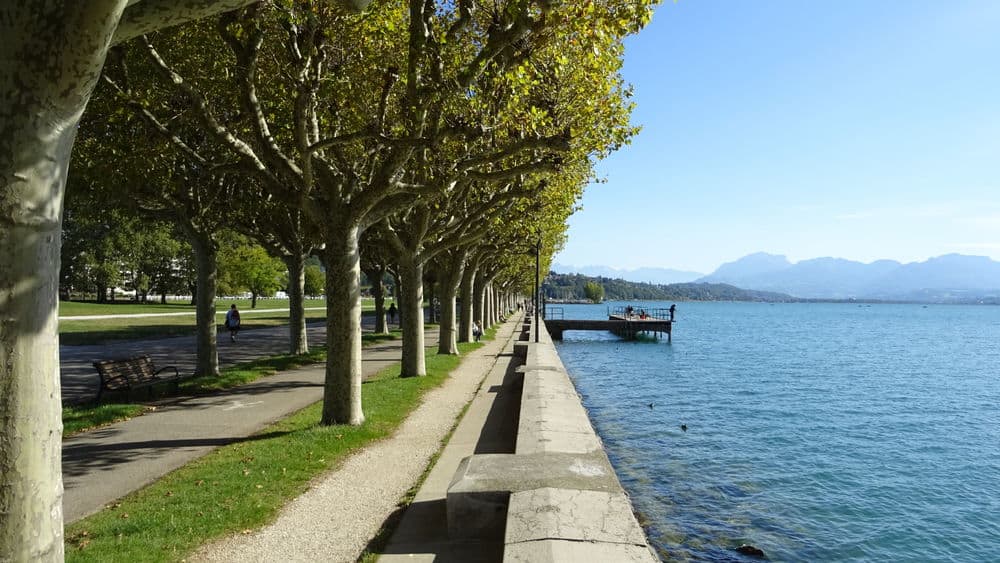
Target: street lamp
(538, 297)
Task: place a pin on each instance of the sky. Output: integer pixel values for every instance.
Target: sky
(858, 129)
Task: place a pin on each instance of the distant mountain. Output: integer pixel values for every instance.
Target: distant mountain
(950, 278)
(569, 287)
(647, 275)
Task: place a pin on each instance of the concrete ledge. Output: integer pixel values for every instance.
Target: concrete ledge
(521, 350)
(584, 516)
(478, 496)
(557, 497)
(567, 551)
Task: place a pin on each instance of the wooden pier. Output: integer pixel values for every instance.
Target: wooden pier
(623, 322)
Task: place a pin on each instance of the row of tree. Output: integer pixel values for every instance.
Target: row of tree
(446, 140)
(114, 250)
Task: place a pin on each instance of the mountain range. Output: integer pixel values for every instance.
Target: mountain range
(948, 278)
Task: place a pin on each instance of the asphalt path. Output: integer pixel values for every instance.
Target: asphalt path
(80, 381)
(108, 463)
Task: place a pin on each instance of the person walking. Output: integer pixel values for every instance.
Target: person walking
(477, 330)
(392, 312)
(233, 322)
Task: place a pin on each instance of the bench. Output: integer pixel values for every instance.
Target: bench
(128, 374)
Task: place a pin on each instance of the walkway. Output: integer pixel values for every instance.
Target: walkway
(103, 465)
(80, 379)
(338, 516)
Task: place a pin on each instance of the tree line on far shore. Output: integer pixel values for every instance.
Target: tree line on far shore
(577, 287)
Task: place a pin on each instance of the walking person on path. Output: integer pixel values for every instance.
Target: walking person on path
(233, 322)
(477, 330)
(392, 312)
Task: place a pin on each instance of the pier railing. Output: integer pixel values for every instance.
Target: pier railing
(556, 313)
(632, 312)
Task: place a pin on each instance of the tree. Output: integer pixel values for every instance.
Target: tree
(315, 279)
(50, 58)
(247, 266)
(594, 291)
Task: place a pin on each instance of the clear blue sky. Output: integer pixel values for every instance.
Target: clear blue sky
(860, 129)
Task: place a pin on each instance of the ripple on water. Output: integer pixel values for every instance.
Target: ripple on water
(814, 431)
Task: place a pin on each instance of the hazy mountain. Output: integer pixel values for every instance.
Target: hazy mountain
(953, 277)
(647, 275)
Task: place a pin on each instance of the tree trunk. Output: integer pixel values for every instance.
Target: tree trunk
(163, 298)
(298, 339)
(375, 276)
(465, 316)
(488, 305)
(102, 294)
(206, 264)
(449, 281)
(52, 57)
(479, 299)
(432, 313)
(194, 293)
(253, 299)
(342, 391)
(411, 273)
(397, 296)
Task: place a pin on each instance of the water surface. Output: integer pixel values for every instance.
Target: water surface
(817, 432)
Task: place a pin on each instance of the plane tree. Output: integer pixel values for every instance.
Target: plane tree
(51, 54)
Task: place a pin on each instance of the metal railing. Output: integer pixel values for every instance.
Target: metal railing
(556, 313)
(632, 312)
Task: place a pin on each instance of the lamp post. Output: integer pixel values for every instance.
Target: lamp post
(538, 297)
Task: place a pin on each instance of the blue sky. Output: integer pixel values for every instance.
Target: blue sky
(860, 129)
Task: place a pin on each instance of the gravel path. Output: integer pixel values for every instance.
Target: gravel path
(337, 517)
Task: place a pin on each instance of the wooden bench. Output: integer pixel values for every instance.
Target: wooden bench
(128, 374)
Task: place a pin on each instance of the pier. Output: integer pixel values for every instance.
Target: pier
(623, 321)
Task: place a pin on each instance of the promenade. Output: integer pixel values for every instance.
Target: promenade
(105, 464)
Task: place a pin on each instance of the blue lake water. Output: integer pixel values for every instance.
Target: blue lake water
(817, 432)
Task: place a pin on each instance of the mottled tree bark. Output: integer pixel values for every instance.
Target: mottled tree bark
(50, 59)
(465, 312)
(411, 273)
(206, 256)
(375, 276)
(479, 299)
(298, 339)
(449, 280)
(342, 394)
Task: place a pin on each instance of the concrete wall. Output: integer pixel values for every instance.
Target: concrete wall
(557, 497)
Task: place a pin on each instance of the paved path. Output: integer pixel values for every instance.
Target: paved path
(80, 380)
(342, 511)
(103, 465)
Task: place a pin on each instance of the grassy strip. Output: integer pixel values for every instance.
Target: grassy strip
(79, 418)
(99, 331)
(74, 308)
(242, 486)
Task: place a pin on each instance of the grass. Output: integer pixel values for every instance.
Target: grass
(242, 486)
(98, 331)
(80, 418)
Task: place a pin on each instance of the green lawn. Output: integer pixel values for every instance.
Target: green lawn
(80, 332)
(243, 486)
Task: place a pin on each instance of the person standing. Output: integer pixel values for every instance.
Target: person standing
(673, 307)
(233, 322)
(477, 331)
(392, 312)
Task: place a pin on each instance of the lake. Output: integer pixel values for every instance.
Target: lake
(816, 432)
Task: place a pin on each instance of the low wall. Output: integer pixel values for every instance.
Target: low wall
(557, 495)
